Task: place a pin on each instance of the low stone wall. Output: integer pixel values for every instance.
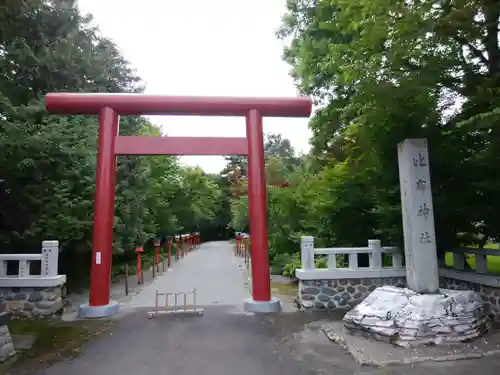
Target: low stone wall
(341, 294)
(490, 295)
(32, 302)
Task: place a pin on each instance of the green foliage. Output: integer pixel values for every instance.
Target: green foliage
(290, 267)
(379, 72)
(385, 71)
(295, 263)
(48, 162)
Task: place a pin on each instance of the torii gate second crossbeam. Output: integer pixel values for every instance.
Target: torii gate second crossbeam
(110, 106)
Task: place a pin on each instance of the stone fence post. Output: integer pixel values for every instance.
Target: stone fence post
(375, 254)
(50, 258)
(307, 252)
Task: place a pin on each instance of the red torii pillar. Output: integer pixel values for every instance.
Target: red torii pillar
(110, 106)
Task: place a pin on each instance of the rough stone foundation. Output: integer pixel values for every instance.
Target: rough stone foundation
(405, 318)
(6, 345)
(346, 293)
(489, 295)
(32, 302)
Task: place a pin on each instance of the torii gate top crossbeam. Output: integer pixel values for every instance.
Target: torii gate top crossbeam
(139, 104)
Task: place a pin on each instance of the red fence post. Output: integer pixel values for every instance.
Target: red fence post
(245, 250)
(169, 261)
(139, 251)
(157, 256)
(177, 247)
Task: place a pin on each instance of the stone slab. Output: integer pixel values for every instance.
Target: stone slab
(6, 351)
(4, 318)
(32, 281)
(23, 341)
(5, 337)
(6, 347)
(367, 351)
(406, 318)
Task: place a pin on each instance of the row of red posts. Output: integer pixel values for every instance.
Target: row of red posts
(241, 246)
(184, 243)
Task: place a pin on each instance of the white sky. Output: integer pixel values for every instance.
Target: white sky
(204, 47)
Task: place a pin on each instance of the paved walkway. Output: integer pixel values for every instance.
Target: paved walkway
(224, 340)
(217, 275)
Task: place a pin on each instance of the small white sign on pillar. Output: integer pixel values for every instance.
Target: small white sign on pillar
(50, 258)
(418, 216)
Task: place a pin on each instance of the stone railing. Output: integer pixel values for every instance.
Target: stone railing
(480, 274)
(27, 295)
(352, 271)
(342, 288)
(48, 276)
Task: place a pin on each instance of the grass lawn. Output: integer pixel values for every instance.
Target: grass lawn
(55, 340)
(493, 261)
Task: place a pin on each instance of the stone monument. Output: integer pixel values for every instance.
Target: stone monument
(421, 313)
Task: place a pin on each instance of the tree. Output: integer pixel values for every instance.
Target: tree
(380, 72)
(383, 72)
(48, 162)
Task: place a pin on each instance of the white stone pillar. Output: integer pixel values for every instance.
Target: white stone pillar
(307, 252)
(375, 247)
(50, 258)
(418, 216)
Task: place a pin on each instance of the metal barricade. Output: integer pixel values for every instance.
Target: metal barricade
(175, 307)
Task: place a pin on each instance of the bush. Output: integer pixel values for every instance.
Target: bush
(289, 268)
(279, 262)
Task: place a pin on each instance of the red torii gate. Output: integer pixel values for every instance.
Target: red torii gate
(110, 144)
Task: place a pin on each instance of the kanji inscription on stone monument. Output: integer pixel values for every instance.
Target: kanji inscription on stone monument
(418, 216)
